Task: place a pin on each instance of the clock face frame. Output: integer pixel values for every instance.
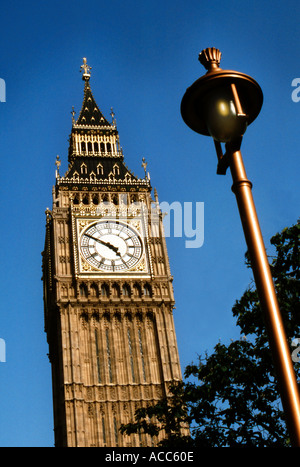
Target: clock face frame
(110, 246)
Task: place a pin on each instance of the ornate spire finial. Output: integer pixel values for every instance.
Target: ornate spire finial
(112, 114)
(57, 163)
(144, 165)
(210, 58)
(73, 114)
(86, 70)
(48, 215)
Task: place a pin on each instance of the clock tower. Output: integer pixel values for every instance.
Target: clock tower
(107, 289)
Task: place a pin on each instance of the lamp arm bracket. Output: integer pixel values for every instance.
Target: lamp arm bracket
(223, 163)
(223, 159)
(234, 145)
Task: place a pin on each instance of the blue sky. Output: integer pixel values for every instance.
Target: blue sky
(143, 56)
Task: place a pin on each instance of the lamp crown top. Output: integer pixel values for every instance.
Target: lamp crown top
(210, 58)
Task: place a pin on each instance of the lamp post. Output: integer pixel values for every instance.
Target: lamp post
(221, 104)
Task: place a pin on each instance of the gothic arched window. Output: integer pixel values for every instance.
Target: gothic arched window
(83, 290)
(85, 200)
(104, 290)
(126, 290)
(83, 168)
(116, 169)
(76, 199)
(147, 290)
(115, 199)
(116, 290)
(96, 200)
(99, 169)
(94, 290)
(137, 290)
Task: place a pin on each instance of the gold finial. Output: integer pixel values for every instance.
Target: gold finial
(86, 69)
(48, 215)
(144, 165)
(57, 163)
(113, 116)
(73, 114)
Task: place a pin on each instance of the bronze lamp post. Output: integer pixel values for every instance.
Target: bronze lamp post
(221, 104)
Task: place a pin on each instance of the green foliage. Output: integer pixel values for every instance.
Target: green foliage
(233, 399)
(236, 403)
(170, 414)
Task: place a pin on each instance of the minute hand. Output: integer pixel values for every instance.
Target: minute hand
(109, 245)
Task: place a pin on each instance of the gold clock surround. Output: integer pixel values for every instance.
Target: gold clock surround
(127, 235)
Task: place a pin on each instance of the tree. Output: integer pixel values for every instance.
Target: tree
(170, 414)
(233, 398)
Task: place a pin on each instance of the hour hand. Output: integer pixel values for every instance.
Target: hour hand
(112, 247)
(109, 245)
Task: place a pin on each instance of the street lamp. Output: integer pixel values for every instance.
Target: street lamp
(221, 104)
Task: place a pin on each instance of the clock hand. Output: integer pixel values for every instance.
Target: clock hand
(94, 238)
(109, 245)
(114, 248)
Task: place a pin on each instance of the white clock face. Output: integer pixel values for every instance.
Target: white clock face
(110, 246)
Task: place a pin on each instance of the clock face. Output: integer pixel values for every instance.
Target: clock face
(110, 246)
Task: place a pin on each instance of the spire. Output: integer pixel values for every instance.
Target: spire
(94, 155)
(90, 113)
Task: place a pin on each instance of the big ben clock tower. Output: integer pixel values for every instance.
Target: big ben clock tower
(107, 290)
